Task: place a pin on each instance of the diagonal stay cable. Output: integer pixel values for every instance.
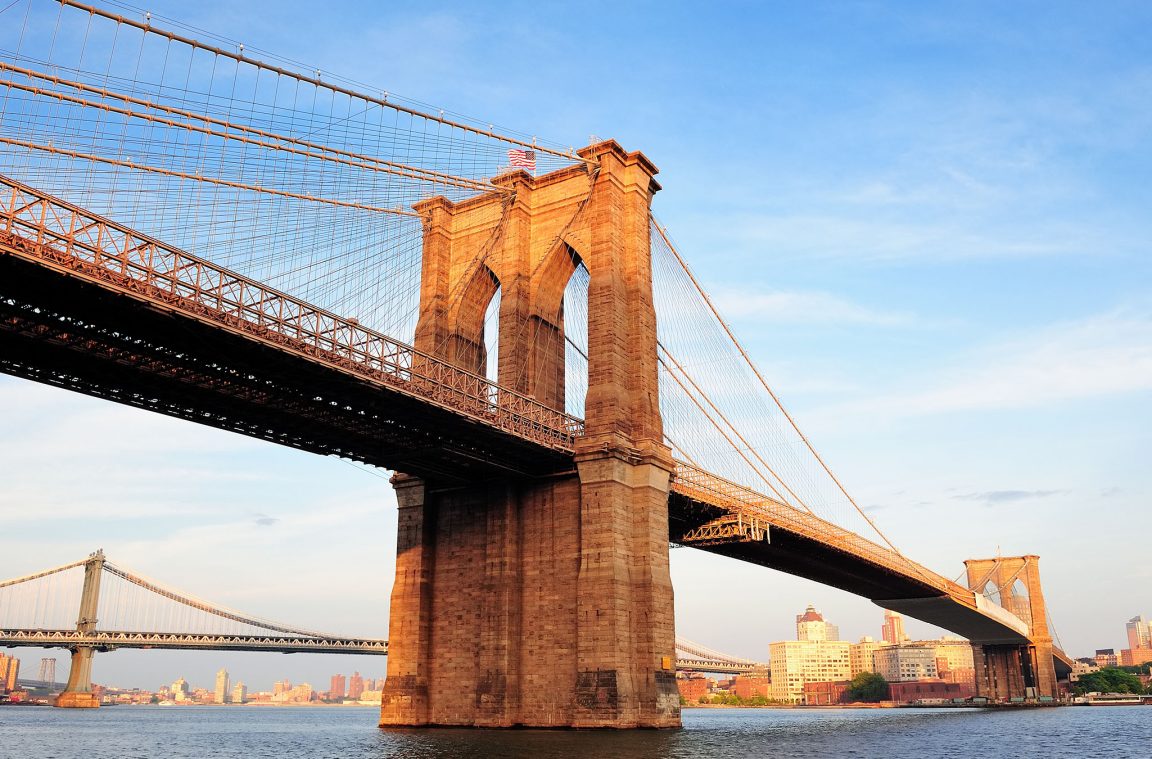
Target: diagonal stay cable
(764, 384)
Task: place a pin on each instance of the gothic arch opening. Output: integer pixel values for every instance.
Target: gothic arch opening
(474, 325)
(491, 337)
(991, 592)
(558, 326)
(1021, 603)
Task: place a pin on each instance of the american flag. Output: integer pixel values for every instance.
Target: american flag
(522, 159)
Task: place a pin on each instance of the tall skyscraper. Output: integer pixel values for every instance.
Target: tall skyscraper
(9, 672)
(355, 686)
(223, 689)
(893, 629)
(338, 687)
(1139, 632)
(811, 626)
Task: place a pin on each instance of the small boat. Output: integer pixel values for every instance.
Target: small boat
(1113, 699)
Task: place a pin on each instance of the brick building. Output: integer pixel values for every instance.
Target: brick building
(692, 687)
(752, 684)
(826, 693)
(921, 690)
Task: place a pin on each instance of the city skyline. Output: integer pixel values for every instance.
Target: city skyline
(942, 275)
(812, 625)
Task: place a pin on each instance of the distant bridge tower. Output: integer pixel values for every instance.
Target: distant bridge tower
(1005, 671)
(48, 670)
(78, 692)
(543, 602)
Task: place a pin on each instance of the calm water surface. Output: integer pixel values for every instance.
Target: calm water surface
(350, 733)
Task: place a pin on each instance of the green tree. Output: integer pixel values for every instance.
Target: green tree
(868, 687)
(1108, 680)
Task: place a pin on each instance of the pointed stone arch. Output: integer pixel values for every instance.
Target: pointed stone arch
(535, 326)
(466, 313)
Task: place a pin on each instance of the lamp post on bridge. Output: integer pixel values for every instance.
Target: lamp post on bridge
(78, 692)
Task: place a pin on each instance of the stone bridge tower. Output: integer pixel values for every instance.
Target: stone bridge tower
(1005, 671)
(543, 602)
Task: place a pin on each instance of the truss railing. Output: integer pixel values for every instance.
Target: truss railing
(708, 488)
(719, 666)
(65, 237)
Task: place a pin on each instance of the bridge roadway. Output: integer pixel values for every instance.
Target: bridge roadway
(284, 644)
(95, 307)
(110, 640)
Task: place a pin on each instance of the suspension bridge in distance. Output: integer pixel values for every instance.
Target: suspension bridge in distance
(118, 609)
(277, 254)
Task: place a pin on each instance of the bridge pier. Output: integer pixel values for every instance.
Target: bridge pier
(78, 692)
(543, 602)
(536, 604)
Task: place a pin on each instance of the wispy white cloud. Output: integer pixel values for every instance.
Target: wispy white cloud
(812, 307)
(1007, 496)
(834, 234)
(1103, 355)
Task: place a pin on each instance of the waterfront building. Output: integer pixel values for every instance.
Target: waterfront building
(1083, 667)
(1139, 632)
(355, 686)
(811, 626)
(9, 672)
(1106, 657)
(337, 688)
(954, 664)
(924, 690)
(906, 662)
(281, 687)
(1135, 657)
(240, 693)
(180, 690)
(300, 694)
(223, 692)
(795, 662)
(893, 629)
(752, 684)
(692, 686)
(826, 694)
(862, 655)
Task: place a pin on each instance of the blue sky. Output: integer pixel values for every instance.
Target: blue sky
(928, 222)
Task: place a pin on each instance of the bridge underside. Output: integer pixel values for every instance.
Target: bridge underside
(63, 331)
(816, 560)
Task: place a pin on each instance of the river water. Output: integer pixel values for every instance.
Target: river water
(142, 732)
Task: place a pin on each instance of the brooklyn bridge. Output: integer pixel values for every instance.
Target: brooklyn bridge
(497, 319)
